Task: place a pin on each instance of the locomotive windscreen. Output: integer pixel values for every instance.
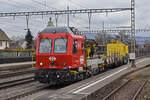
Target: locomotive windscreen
(60, 45)
(57, 30)
(45, 45)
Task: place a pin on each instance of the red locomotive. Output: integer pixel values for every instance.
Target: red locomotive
(64, 56)
(59, 55)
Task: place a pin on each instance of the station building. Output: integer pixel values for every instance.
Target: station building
(4, 40)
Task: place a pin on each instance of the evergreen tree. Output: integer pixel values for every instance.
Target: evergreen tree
(28, 39)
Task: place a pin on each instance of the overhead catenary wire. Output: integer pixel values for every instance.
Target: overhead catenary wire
(44, 5)
(22, 4)
(34, 7)
(78, 4)
(89, 9)
(14, 5)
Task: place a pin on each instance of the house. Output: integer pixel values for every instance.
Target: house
(24, 44)
(14, 45)
(4, 40)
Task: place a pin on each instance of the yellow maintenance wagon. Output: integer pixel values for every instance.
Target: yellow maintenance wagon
(117, 53)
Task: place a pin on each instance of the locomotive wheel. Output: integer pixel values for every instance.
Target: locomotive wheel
(116, 63)
(126, 60)
(106, 68)
(82, 76)
(79, 77)
(86, 74)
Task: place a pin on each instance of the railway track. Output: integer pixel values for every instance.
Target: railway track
(28, 92)
(11, 74)
(9, 79)
(139, 90)
(13, 91)
(16, 82)
(124, 92)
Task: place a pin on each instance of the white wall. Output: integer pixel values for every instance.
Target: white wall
(4, 45)
(24, 45)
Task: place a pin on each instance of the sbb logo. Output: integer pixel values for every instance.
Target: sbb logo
(52, 58)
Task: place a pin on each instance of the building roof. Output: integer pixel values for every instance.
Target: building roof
(3, 36)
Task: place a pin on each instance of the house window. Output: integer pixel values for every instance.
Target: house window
(6, 45)
(0, 43)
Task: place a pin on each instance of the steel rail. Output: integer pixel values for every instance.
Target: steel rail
(17, 73)
(16, 82)
(40, 88)
(117, 89)
(139, 90)
(114, 91)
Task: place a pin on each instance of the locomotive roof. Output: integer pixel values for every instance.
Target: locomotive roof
(57, 30)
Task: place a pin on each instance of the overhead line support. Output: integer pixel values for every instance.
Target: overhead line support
(60, 12)
(133, 45)
(114, 31)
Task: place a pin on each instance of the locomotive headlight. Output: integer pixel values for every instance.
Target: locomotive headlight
(64, 63)
(58, 76)
(70, 67)
(41, 64)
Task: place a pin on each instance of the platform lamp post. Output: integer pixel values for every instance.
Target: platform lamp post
(133, 43)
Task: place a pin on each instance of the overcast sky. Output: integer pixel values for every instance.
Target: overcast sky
(15, 26)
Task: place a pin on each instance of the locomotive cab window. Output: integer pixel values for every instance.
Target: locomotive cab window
(83, 47)
(75, 50)
(60, 45)
(45, 45)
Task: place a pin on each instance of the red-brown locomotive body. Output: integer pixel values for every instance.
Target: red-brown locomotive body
(59, 51)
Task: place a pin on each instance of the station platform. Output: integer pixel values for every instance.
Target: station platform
(10, 66)
(83, 90)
